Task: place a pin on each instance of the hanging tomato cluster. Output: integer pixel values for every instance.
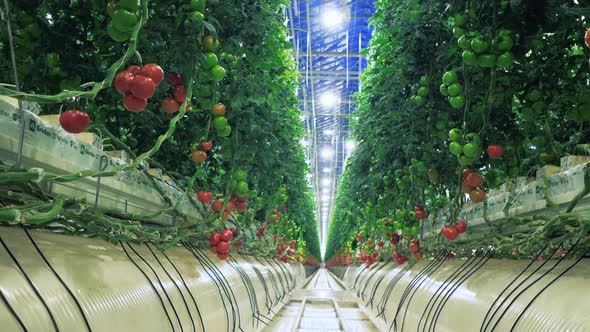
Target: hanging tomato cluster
(138, 84)
(451, 233)
(453, 89)
(421, 91)
(370, 259)
(468, 153)
(285, 253)
(399, 258)
(220, 242)
(172, 104)
(420, 210)
(415, 249)
(471, 184)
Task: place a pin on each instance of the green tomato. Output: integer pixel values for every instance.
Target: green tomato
(464, 160)
(487, 60)
(218, 73)
(464, 43)
(124, 20)
(458, 32)
(505, 43)
(471, 150)
(242, 188)
(424, 80)
(196, 17)
(455, 89)
(478, 45)
(505, 60)
(473, 137)
(455, 134)
(225, 132)
(457, 101)
(219, 122)
(444, 90)
(418, 100)
(197, 5)
(423, 91)
(450, 77)
(211, 60)
(469, 58)
(240, 175)
(116, 34)
(128, 4)
(414, 230)
(455, 148)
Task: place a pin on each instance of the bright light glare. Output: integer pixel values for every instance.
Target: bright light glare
(329, 132)
(326, 170)
(326, 182)
(302, 117)
(333, 18)
(327, 153)
(304, 142)
(325, 190)
(350, 145)
(329, 99)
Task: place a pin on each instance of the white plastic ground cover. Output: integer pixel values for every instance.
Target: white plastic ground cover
(525, 200)
(94, 285)
(59, 152)
(479, 294)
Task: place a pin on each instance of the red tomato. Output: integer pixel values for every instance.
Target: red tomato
(238, 244)
(477, 195)
(74, 121)
(122, 81)
(223, 246)
(222, 255)
(224, 216)
(226, 235)
(204, 197)
(206, 145)
(449, 233)
(234, 231)
(217, 205)
(154, 72)
(474, 180)
(213, 249)
(414, 246)
(133, 69)
(243, 198)
(214, 238)
(380, 244)
(134, 104)
(421, 214)
(170, 105)
(175, 79)
(230, 206)
(142, 87)
(199, 156)
(587, 38)
(179, 93)
(466, 173)
(495, 151)
(461, 226)
(466, 188)
(241, 206)
(218, 109)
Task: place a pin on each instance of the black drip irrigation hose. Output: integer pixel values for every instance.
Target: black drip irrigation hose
(288, 276)
(390, 287)
(187, 289)
(375, 288)
(491, 318)
(362, 269)
(534, 282)
(13, 312)
(267, 298)
(414, 284)
(151, 284)
(251, 290)
(369, 280)
(273, 281)
(219, 288)
(544, 288)
(161, 285)
(175, 285)
(434, 298)
(487, 256)
(284, 290)
(30, 282)
(62, 282)
(226, 287)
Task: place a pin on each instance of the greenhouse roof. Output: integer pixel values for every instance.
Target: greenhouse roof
(328, 37)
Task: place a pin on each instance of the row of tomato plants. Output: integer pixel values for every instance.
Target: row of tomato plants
(458, 98)
(207, 88)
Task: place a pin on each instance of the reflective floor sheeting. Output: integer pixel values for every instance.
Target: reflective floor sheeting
(323, 304)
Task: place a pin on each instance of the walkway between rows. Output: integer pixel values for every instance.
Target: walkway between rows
(322, 304)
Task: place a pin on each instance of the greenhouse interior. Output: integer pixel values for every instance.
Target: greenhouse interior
(294, 165)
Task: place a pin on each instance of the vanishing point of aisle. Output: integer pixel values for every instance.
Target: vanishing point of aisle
(323, 304)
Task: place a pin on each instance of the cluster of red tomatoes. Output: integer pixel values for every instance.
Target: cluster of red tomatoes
(220, 242)
(235, 203)
(274, 217)
(283, 252)
(471, 183)
(260, 232)
(138, 84)
(199, 153)
(420, 211)
(415, 249)
(172, 104)
(369, 260)
(399, 258)
(451, 232)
